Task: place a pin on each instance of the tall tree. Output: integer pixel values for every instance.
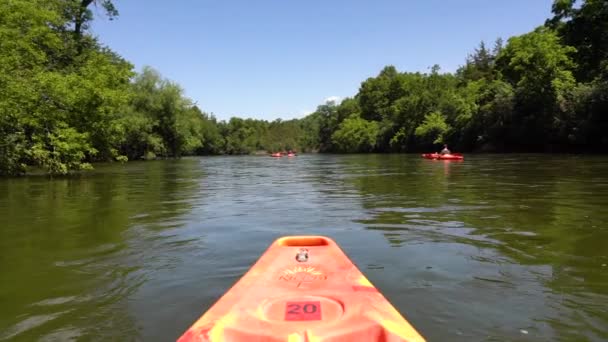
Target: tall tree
(81, 14)
(374, 93)
(480, 64)
(540, 69)
(60, 112)
(586, 29)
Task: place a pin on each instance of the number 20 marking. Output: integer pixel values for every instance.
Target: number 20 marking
(294, 309)
(303, 311)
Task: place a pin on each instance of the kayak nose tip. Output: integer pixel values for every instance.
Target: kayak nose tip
(303, 241)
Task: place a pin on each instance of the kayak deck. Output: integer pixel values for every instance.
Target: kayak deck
(303, 288)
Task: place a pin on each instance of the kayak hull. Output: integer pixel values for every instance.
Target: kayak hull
(303, 288)
(438, 156)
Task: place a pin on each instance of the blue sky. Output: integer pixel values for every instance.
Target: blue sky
(271, 59)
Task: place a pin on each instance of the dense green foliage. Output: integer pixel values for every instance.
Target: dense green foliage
(60, 95)
(67, 101)
(541, 91)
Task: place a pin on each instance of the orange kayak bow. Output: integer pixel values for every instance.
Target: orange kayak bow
(303, 288)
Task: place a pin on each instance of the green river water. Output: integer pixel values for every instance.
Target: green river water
(495, 248)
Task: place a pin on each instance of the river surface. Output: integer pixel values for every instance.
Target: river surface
(495, 248)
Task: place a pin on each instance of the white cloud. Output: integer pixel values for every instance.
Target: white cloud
(305, 112)
(335, 99)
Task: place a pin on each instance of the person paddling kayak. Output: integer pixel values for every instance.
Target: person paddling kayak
(445, 150)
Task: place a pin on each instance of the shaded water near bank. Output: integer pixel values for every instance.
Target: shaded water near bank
(498, 247)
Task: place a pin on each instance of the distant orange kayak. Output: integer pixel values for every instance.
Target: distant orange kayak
(302, 289)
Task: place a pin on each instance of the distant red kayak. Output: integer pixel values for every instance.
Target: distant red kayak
(276, 155)
(453, 156)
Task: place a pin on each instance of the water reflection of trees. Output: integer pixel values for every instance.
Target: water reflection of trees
(67, 244)
(534, 210)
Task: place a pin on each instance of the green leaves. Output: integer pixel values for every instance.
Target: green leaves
(537, 57)
(433, 129)
(540, 69)
(60, 150)
(58, 109)
(356, 135)
(586, 29)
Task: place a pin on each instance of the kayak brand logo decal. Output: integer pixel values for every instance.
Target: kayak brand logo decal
(301, 275)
